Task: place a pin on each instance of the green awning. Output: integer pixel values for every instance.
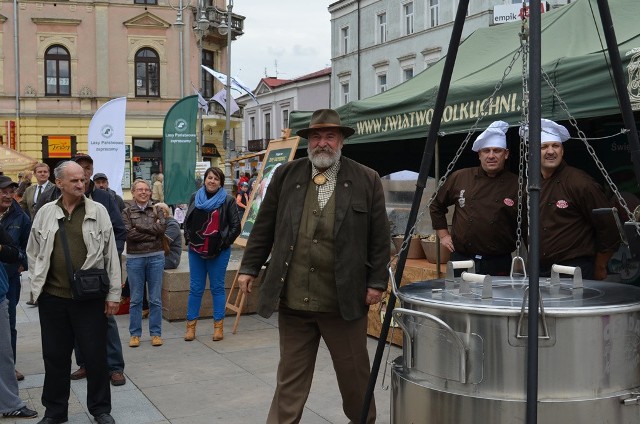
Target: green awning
(572, 56)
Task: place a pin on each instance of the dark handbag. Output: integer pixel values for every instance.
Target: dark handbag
(90, 284)
(86, 284)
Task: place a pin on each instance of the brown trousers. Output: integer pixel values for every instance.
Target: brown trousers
(300, 334)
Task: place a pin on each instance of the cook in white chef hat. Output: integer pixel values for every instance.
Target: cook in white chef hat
(550, 132)
(493, 136)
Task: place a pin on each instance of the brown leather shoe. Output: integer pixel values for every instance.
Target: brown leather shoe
(156, 341)
(19, 376)
(134, 341)
(79, 374)
(118, 378)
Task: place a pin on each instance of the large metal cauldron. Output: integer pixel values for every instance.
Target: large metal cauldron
(464, 358)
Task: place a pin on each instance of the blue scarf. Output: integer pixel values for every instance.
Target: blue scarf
(210, 204)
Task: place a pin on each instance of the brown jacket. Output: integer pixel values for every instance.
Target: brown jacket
(144, 232)
(568, 227)
(361, 234)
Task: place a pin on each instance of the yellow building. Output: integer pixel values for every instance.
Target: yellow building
(68, 58)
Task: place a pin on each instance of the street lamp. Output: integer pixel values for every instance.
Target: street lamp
(226, 28)
(202, 24)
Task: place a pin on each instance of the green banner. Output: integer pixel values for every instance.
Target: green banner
(179, 149)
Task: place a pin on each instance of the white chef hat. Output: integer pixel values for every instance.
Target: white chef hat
(551, 132)
(493, 136)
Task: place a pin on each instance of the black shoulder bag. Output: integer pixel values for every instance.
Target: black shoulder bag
(86, 284)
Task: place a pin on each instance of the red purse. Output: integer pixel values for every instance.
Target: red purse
(123, 309)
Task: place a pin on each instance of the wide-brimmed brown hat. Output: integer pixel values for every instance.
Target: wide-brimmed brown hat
(325, 118)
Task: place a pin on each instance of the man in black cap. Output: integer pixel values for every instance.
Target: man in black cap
(102, 182)
(17, 225)
(324, 222)
(114, 346)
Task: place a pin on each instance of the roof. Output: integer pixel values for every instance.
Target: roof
(405, 111)
(276, 82)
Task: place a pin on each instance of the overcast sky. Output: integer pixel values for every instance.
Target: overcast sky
(295, 34)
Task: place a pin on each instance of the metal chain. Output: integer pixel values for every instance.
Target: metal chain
(592, 152)
(524, 42)
(474, 127)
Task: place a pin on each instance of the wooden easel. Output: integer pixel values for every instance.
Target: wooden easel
(237, 299)
(237, 304)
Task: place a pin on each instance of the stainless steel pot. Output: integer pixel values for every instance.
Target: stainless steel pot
(464, 358)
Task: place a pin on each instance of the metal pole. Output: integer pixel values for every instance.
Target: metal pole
(621, 89)
(181, 41)
(16, 53)
(535, 113)
(427, 158)
(227, 129)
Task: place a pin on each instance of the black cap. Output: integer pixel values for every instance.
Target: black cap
(6, 182)
(82, 156)
(100, 176)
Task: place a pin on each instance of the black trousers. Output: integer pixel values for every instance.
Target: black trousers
(61, 322)
(584, 262)
(487, 265)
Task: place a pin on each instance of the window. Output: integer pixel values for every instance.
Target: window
(382, 83)
(207, 79)
(344, 88)
(267, 126)
(434, 11)
(285, 118)
(407, 74)
(252, 127)
(147, 73)
(57, 70)
(382, 28)
(407, 9)
(344, 36)
(145, 1)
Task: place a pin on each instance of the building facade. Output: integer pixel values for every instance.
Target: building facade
(61, 61)
(267, 120)
(378, 44)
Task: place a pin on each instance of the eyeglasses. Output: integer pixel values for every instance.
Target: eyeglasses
(8, 193)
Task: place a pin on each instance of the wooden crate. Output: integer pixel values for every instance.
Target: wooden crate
(414, 270)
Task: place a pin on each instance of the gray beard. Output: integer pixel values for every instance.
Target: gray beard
(324, 159)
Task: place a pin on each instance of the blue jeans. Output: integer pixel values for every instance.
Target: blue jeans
(115, 360)
(217, 269)
(14, 297)
(139, 270)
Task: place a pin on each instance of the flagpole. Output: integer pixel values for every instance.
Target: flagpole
(229, 149)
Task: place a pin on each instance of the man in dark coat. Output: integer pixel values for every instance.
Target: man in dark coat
(17, 224)
(324, 222)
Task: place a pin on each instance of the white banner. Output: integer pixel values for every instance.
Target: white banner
(236, 85)
(106, 141)
(221, 99)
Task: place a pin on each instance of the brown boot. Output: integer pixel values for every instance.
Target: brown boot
(191, 331)
(217, 330)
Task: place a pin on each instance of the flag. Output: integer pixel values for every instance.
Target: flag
(179, 150)
(221, 98)
(235, 84)
(202, 103)
(106, 141)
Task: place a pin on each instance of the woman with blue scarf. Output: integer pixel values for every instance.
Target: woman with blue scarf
(211, 225)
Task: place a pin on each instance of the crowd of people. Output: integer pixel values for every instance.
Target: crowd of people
(315, 209)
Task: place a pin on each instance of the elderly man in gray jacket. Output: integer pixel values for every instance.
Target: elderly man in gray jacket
(324, 221)
(91, 244)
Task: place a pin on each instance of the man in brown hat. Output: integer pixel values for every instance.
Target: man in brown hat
(324, 222)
